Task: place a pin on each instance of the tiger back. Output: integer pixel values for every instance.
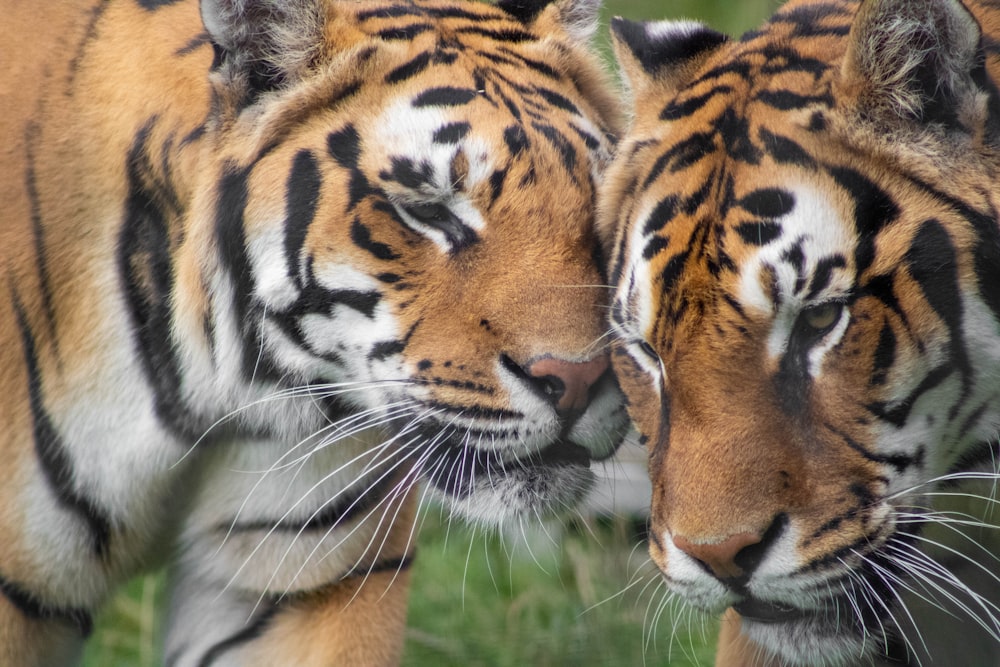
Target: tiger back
(807, 264)
(268, 265)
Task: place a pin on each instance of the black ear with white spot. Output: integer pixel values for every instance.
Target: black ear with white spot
(919, 60)
(263, 44)
(578, 18)
(661, 54)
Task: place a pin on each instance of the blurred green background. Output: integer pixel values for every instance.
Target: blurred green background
(579, 595)
(729, 16)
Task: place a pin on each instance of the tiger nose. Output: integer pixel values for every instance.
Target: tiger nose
(736, 556)
(566, 384)
(719, 557)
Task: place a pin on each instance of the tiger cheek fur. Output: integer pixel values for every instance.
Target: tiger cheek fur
(274, 271)
(806, 259)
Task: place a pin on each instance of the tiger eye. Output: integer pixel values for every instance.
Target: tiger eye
(821, 318)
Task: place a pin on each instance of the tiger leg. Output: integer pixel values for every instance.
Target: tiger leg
(255, 586)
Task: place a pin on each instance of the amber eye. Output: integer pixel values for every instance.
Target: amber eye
(818, 320)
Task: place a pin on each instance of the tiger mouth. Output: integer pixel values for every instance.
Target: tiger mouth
(456, 467)
(771, 613)
(837, 617)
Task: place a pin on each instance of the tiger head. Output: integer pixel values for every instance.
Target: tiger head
(427, 262)
(807, 263)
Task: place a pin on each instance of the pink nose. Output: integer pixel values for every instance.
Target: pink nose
(567, 383)
(719, 557)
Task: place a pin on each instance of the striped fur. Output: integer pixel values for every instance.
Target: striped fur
(267, 266)
(807, 264)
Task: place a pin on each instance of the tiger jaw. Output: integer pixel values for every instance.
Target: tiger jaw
(512, 473)
(839, 618)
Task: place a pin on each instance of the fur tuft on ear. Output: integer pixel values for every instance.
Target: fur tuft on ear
(580, 18)
(263, 43)
(913, 60)
(661, 54)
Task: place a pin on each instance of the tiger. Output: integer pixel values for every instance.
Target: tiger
(806, 264)
(274, 273)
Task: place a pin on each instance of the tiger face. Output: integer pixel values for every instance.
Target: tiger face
(430, 254)
(806, 264)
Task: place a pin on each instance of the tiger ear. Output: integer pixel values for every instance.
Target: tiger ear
(661, 55)
(261, 45)
(578, 18)
(920, 61)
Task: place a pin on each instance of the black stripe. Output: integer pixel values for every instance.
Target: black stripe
(302, 191)
(38, 236)
(768, 203)
(734, 129)
(898, 461)
(537, 65)
(665, 211)
(349, 506)
(683, 154)
(933, 263)
(781, 60)
(677, 110)
(561, 144)
(389, 13)
(653, 248)
(400, 11)
(388, 565)
(231, 240)
(506, 35)
(787, 100)
(758, 233)
(444, 96)
(362, 237)
(385, 349)
(592, 142)
(251, 631)
(823, 274)
(90, 34)
(785, 151)
(153, 5)
(317, 299)
(557, 100)
(410, 69)
(406, 33)
(873, 210)
(408, 173)
(884, 356)
(516, 139)
(145, 268)
(345, 147)
(53, 457)
(195, 43)
(344, 93)
(672, 271)
(32, 608)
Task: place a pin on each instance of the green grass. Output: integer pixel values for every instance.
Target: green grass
(580, 596)
(476, 600)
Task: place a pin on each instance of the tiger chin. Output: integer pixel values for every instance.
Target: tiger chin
(807, 261)
(268, 265)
